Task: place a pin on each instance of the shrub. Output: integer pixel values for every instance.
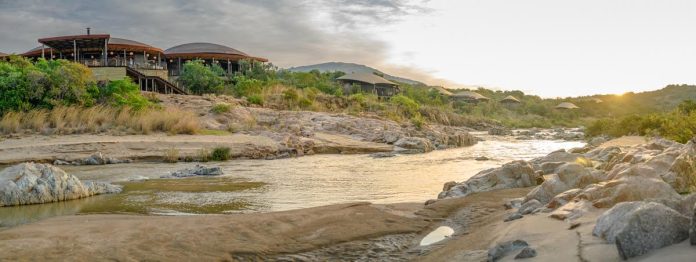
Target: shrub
(305, 103)
(220, 154)
(221, 108)
(255, 99)
(203, 155)
(247, 86)
(291, 95)
(125, 93)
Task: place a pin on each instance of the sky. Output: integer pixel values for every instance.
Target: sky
(549, 48)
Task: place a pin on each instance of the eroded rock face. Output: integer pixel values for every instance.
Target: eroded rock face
(31, 183)
(567, 176)
(95, 159)
(607, 194)
(638, 227)
(515, 174)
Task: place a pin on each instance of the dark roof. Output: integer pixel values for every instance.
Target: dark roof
(131, 45)
(84, 41)
(366, 78)
(470, 95)
(441, 90)
(3, 54)
(208, 50)
(36, 51)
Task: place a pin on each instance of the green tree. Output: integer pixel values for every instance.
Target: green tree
(201, 79)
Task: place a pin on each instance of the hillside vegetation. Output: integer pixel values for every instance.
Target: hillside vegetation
(34, 92)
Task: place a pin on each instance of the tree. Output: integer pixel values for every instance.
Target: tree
(201, 79)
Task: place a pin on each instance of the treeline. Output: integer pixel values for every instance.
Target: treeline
(678, 125)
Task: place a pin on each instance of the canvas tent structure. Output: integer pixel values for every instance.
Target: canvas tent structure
(566, 106)
(510, 100)
(226, 57)
(470, 97)
(441, 90)
(368, 83)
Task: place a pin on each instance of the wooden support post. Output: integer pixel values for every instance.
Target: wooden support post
(106, 52)
(178, 67)
(42, 51)
(51, 53)
(74, 43)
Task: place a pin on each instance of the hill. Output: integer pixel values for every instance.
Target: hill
(352, 68)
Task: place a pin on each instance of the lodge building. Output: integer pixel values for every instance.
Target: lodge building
(154, 69)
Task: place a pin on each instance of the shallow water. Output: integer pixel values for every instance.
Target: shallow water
(284, 184)
(437, 235)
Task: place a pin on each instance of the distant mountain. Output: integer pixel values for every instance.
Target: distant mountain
(352, 68)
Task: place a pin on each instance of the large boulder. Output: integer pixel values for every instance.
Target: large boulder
(31, 183)
(607, 194)
(502, 249)
(568, 176)
(639, 227)
(515, 174)
(414, 145)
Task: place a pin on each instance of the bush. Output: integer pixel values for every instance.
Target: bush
(255, 99)
(220, 154)
(171, 155)
(201, 79)
(125, 93)
(247, 86)
(221, 108)
(291, 95)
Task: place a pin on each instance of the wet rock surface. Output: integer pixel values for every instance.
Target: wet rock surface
(31, 183)
(511, 175)
(198, 170)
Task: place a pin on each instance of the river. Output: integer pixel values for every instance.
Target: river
(285, 184)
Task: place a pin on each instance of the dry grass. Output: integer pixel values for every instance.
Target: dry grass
(100, 119)
(171, 155)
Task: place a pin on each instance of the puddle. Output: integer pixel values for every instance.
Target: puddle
(437, 235)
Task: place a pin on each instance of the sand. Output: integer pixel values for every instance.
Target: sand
(624, 141)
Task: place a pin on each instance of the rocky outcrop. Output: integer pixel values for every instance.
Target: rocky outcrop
(95, 159)
(197, 170)
(31, 183)
(504, 248)
(567, 176)
(515, 174)
(414, 145)
(692, 230)
(638, 227)
(526, 252)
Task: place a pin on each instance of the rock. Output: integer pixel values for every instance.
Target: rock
(482, 158)
(568, 176)
(31, 183)
(449, 185)
(607, 194)
(513, 203)
(530, 206)
(563, 198)
(513, 216)
(596, 141)
(498, 131)
(502, 249)
(414, 145)
(514, 174)
(692, 230)
(198, 170)
(95, 159)
(382, 155)
(430, 201)
(462, 139)
(59, 162)
(638, 227)
(390, 137)
(526, 252)
(650, 226)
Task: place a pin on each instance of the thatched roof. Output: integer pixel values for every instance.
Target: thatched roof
(566, 105)
(366, 78)
(441, 90)
(510, 99)
(208, 50)
(3, 54)
(470, 95)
